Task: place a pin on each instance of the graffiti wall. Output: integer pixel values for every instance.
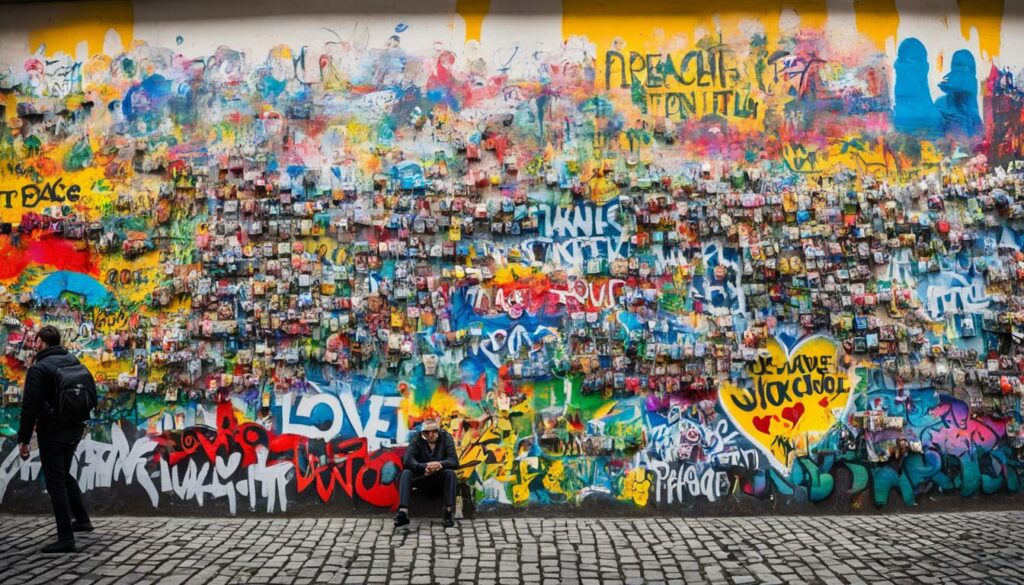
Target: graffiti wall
(633, 257)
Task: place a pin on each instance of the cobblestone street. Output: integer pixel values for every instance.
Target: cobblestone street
(985, 548)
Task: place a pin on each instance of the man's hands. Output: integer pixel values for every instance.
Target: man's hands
(23, 451)
(432, 467)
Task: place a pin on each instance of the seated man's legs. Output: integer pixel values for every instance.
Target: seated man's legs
(405, 489)
(444, 482)
(429, 484)
(410, 479)
(450, 483)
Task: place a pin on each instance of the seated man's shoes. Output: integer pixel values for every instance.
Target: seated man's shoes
(401, 519)
(447, 521)
(81, 526)
(61, 546)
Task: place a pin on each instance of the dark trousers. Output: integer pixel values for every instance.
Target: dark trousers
(56, 457)
(442, 481)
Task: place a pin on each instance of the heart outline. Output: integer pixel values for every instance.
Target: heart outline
(816, 419)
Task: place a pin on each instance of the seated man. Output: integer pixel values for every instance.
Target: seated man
(430, 463)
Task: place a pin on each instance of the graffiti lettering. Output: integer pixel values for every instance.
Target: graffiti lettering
(678, 484)
(32, 195)
(684, 105)
(581, 221)
(326, 416)
(952, 292)
(698, 67)
(500, 343)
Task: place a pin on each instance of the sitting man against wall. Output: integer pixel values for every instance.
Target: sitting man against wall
(430, 462)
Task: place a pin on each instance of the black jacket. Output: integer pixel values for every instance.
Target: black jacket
(419, 454)
(41, 392)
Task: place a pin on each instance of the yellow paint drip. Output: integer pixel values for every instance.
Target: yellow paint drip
(877, 20)
(813, 13)
(651, 25)
(84, 21)
(987, 17)
(473, 12)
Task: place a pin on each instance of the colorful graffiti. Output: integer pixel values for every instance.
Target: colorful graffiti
(679, 259)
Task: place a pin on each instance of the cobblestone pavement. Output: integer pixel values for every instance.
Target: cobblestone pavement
(983, 548)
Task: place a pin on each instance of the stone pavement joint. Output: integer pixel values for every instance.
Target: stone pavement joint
(964, 548)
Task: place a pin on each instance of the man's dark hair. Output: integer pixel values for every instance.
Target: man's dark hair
(49, 335)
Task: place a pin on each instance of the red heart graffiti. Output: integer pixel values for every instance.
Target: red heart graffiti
(823, 402)
(763, 423)
(793, 413)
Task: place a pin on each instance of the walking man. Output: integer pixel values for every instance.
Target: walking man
(59, 394)
(430, 463)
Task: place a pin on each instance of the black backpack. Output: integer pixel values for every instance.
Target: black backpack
(76, 394)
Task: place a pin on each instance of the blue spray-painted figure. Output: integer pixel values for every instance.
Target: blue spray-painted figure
(959, 107)
(914, 111)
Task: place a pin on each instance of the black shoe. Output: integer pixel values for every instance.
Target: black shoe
(401, 519)
(447, 521)
(81, 526)
(61, 546)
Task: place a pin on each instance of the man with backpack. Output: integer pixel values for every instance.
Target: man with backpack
(59, 395)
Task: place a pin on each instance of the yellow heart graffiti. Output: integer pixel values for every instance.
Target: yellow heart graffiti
(791, 400)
